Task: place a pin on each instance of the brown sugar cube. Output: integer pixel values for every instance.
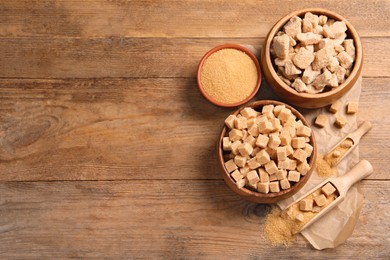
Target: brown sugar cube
(240, 161)
(255, 151)
(328, 189)
(267, 109)
(294, 176)
(244, 134)
(229, 121)
(300, 155)
(253, 130)
(347, 143)
(241, 122)
(230, 165)
(345, 60)
(240, 183)
(263, 187)
(277, 109)
(303, 168)
(340, 121)
(321, 120)
(284, 184)
(298, 142)
(226, 144)
(235, 135)
(250, 140)
(274, 186)
(237, 175)
(264, 177)
(277, 126)
(281, 174)
(253, 186)
(248, 112)
(272, 153)
(281, 45)
(320, 200)
(306, 205)
(336, 153)
(284, 164)
(335, 107)
(265, 127)
(285, 138)
(263, 157)
(303, 58)
(291, 130)
(352, 107)
(323, 57)
(281, 153)
(245, 149)
(251, 122)
(289, 150)
(273, 178)
(309, 38)
(262, 141)
(253, 164)
(271, 167)
(299, 217)
(244, 170)
(322, 80)
(303, 131)
(316, 209)
(284, 114)
(292, 165)
(274, 141)
(335, 30)
(252, 177)
(293, 26)
(299, 85)
(235, 146)
(309, 75)
(308, 149)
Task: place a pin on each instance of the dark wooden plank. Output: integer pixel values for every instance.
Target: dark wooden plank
(249, 18)
(135, 57)
(110, 129)
(154, 219)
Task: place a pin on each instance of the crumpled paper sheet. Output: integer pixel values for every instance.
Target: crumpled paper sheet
(335, 227)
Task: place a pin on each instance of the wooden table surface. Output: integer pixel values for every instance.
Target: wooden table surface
(107, 146)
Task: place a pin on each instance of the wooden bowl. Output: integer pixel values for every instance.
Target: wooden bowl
(229, 46)
(307, 100)
(257, 196)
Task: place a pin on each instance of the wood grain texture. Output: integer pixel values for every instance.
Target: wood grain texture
(41, 57)
(249, 18)
(110, 129)
(168, 220)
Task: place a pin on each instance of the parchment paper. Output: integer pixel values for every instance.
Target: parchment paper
(336, 226)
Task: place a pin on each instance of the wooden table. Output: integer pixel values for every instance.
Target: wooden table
(107, 146)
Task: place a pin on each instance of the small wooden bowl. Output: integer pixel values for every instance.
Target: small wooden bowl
(257, 196)
(307, 100)
(229, 46)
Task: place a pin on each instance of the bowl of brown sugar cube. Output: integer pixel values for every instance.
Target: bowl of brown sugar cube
(312, 57)
(266, 151)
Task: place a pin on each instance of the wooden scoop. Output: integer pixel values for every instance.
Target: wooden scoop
(342, 184)
(353, 137)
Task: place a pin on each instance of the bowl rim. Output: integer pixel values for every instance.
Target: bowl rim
(319, 11)
(294, 188)
(229, 46)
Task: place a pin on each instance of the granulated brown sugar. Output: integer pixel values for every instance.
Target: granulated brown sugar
(323, 167)
(229, 76)
(277, 229)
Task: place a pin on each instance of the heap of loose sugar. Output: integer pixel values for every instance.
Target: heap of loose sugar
(229, 76)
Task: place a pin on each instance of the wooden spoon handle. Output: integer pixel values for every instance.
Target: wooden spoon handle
(362, 130)
(360, 171)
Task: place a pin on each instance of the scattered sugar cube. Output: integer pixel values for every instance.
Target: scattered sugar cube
(237, 175)
(299, 217)
(240, 122)
(263, 187)
(300, 155)
(328, 189)
(226, 144)
(336, 153)
(245, 149)
(281, 174)
(253, 164)
(229, 121)
(298, 142)
(303, 168)
(264, 177)
(252, 177)
(321, 120)
(248, 112)
(274, 186)
(271, 167)
(335, 107)
(294, 176)
(281, 153)
(285, 184)
(340, 121)
(352, 107)
(263, 157)
(235, 135)
(240, 161)
(303, 131)
(347, 143)
(306, 205)
(230, 165)
(320, 200)
(262, 141)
